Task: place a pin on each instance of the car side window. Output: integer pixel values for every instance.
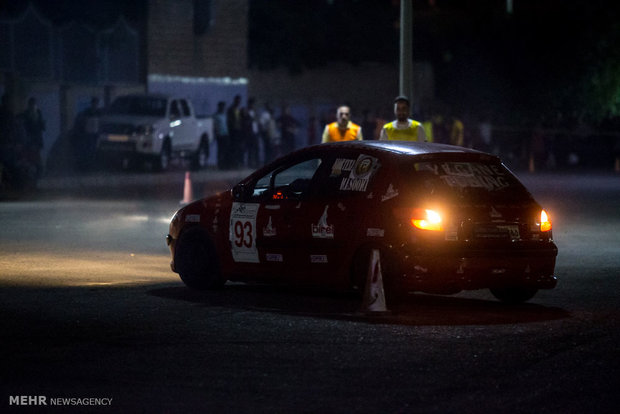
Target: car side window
(175, 113)
(290, 182)
(185, 108)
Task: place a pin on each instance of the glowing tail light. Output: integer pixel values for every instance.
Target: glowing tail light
(425, 219)
(545, 221)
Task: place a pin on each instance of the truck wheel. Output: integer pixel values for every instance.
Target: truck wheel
(197, 262)
(199, 161)
(162, 162)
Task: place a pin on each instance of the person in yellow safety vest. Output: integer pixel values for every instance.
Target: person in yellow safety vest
(403, 128)
(343, 129)
(428, 130)
(457, 133)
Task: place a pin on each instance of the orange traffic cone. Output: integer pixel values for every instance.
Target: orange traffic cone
(374, 294)
(188, 192)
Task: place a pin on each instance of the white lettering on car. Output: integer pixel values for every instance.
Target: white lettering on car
(390, 193)
(340, 165)
(269, 230)
(322, 230)
(364, 168)
(274, 257)
(318, 258)
(372, 232)
(354, 184)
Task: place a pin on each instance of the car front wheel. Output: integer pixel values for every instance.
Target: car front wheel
(197, 262)
(514, 294)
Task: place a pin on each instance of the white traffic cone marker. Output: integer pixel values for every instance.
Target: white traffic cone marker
(188, 192)
(374, 294)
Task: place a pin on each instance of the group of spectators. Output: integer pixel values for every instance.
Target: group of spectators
(439, 129)
(248, 137)
(242, 133)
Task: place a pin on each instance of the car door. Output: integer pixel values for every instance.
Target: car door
(338, 216)
(188, 126)
(178, 126)
(265, 230)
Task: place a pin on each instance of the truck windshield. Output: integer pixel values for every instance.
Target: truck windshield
(139, 105)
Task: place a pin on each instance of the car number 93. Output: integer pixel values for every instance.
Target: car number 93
(242, 233)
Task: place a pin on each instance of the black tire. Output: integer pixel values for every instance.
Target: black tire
(201, 157)
(197, 262)
(514, 294)
(162, 160)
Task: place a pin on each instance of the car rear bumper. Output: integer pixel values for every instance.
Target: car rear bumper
(453, 270)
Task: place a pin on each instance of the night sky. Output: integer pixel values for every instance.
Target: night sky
(563, 52)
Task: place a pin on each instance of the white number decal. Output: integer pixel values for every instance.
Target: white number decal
(242, 232)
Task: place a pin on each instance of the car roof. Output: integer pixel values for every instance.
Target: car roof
(403, 147)
(391, 149)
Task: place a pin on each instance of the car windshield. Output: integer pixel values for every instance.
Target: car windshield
(139, 105)
(469, 181)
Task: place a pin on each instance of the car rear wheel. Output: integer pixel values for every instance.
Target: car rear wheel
(197, 262)
(514, 294)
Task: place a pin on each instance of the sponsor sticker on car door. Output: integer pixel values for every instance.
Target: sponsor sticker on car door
(242, 234)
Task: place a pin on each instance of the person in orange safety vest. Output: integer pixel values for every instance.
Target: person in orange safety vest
(343, 129)
(403, 128)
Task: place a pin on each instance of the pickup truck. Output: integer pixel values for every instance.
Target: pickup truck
(154, 128)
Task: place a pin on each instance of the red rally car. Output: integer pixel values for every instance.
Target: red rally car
(443, 218)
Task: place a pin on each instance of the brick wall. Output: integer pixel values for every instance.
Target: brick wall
(369, 86)
(174, 49)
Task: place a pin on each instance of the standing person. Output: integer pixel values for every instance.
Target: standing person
(403, 128)
(34, 125)
(220, 129)
(343, 129)
(249, 124)
(269, 133)
(235, 133)
(457, 131)
(288, 127)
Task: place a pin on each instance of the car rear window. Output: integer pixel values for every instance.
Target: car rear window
(467, 180)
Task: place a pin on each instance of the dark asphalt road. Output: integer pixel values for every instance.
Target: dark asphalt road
(88, 308)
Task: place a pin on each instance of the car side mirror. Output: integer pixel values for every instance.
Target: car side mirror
(241, 192)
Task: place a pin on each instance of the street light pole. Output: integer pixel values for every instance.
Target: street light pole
(406, 42)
